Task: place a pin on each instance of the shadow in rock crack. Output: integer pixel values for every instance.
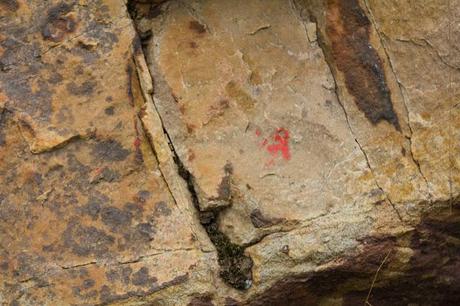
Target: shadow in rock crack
(235, 266)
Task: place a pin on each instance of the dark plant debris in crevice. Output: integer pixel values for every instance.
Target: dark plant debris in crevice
(144, 8)
(140, 9)
(235, 266)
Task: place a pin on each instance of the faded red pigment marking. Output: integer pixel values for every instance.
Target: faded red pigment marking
(280, 144)
(281, 138)
(137, 143)
(264, 142)
(95, 173)
(98, 170)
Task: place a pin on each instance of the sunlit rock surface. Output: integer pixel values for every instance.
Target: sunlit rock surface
(229, 152)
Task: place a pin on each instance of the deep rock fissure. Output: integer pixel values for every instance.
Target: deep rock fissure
(235, 266)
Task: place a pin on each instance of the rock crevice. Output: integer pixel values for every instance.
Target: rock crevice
(235, 265)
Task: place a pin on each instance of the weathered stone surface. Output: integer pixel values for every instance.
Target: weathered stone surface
(423, 60)
(231, 153)
(317, 128)
(86, 215)
(220, 119)
(409, 271)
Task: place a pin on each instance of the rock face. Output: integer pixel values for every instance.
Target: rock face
(86, 215)
(229, 152)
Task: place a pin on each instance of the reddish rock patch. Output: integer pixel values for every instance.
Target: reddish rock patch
(348, 29)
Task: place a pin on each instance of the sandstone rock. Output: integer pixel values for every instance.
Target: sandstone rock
(86, 215)
(229, 152)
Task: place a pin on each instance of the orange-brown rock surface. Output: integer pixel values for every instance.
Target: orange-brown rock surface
(208, 152)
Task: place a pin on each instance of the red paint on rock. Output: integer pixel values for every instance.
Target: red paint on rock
(280, 144)
(281, 139)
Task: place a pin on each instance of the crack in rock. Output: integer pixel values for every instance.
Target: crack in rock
(404, 99)
(235, 266)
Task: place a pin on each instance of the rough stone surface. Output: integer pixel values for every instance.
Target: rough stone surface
(213, 152)
(86, 215)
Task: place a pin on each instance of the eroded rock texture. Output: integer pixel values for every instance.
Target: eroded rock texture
(86, 215)
(229, 152)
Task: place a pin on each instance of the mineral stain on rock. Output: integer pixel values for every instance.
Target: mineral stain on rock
(423, 280)
(202, 300)
(2, 128)
(162, 209)
(261, 221)
(85, 89)
(110, 150)
(115, 217)
(348, 30)
(142, 278)
(58, 23)
(9, 5)
(224, 189)
(84, 241)
(197, 27)
(242, 98)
